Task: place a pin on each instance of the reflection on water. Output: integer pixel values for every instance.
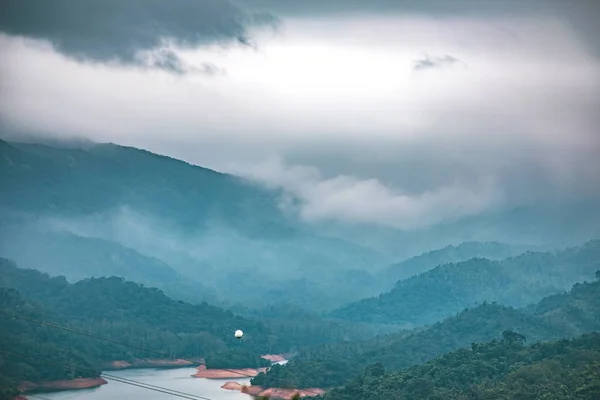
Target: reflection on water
(174, 379)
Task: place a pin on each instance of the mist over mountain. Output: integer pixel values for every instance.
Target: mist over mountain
(90, 210)
(66, 205)
(450, 254)
(362, 186)
(79, 257)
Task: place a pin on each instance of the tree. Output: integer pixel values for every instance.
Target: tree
(512, 337)
(598, 275)
(375, 370)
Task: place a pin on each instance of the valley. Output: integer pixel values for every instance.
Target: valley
(168, 278)
(299, 199)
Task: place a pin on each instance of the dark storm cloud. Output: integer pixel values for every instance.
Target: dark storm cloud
(457, 7)
(104, 30)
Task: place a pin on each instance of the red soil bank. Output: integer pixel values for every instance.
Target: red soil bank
(203, 372)
(79, 383)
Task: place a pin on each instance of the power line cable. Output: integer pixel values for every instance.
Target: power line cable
(35, 396)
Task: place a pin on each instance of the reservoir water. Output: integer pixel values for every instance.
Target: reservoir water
(174, 379)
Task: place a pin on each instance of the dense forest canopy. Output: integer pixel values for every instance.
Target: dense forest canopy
(130, 310)
(504, 368)
(147, 319)
(52, 351)
(564, 315)
(143, 318)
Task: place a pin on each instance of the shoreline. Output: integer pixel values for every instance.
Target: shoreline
(273, 393)
(120, 365)
(28, 387)
(60, 385)
(203, 372)
(232, 373)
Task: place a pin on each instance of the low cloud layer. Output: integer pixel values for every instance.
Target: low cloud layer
(330, 107)
(368, 201)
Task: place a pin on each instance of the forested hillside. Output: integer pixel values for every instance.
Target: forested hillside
(51, 349)
(560, 316)
(131, 313)
(310, 328)
(112, 304)
(446, 289)
(142, 318)
(500, 369)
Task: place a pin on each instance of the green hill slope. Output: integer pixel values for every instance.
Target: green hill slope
(52, 349)
(564, 315)
(133, 314)
(500, 369)
(444, 290)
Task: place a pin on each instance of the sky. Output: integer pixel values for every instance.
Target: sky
(395, 113)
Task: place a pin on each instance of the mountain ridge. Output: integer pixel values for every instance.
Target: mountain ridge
(448, 288)
(556, 317)
(187, 216)
(228, 233)
(451, 253)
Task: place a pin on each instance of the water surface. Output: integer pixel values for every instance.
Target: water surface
(174, 379)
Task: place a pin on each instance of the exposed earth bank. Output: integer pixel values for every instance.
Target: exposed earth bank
(79, 383)
(203, 372)
(152, 363)
(275, 358)
(206, 373)
(256, 391)
(273, 393)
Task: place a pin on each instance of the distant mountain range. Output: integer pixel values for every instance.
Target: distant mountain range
(447, 289)
(88, 212)
(451, 254)
(86, 209)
